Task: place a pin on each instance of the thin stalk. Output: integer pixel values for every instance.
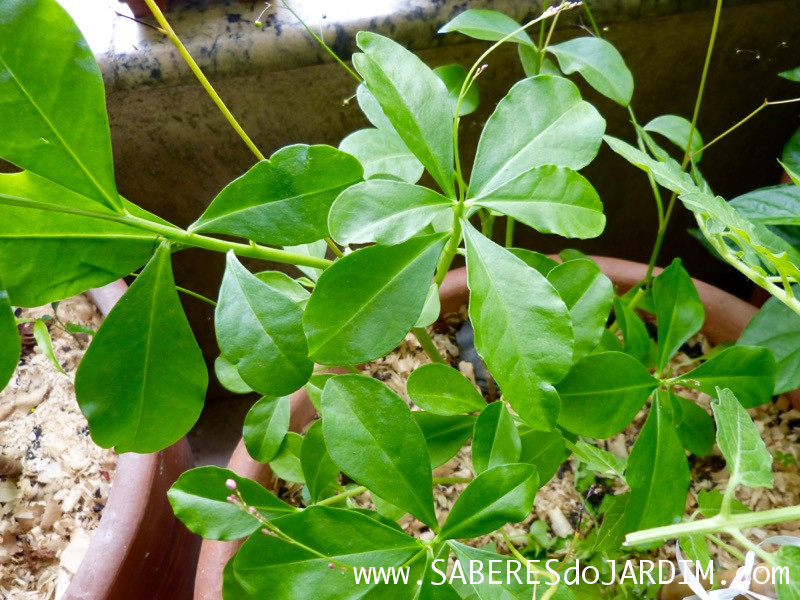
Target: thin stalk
(760, 552)
(188, 292)
(452, 245)
(176, 234)
(590, 16)
(167, 30)
(509, 232)
(332, 245)
(321, 42)
(343, 496)
(487, 225)
(716, 524)
(424, 339)
(732, 550)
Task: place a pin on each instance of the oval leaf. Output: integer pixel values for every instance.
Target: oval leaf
(143, 363)
(525, 339)
(283, 200)
(372, 437)
(443, 390)
(199, 499)
(53, 106)
(229, 377)
(287, 464)
(676, 129)
(382, 153)
(414, 100)
(542, 120)
(588, 295)
(658, 473)
(365, 304)
(319, 470)
(602, 394)
(599, 63)
(47, 256)
(774, 205)
(496, 440)
(679, 312)
(498, 496)
(453, 77)
(265, 427)
(259, 330)
(487, 25)
(444, 436)
(551, 200)
(387, 212)
(748, 371)
(544, 450)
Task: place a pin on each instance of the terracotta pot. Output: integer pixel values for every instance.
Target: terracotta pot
(726, 317)
(139, 549)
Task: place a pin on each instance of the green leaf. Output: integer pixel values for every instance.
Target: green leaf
(265, 427)
(372, 110)
(496, 440)
(694, 427)
(453, 77)
(199, 500)
(283, 200)
(487, 25)
(143, 363)
(500, 495)
(790, 157)
(375, 441)
(749, 461)
(525, 339)
(774, 205)
(634, 331)
(496, 588)
(387, 212)
(315, 385)
(286, 463)
(365, 304)
(791, 74)
(316, 249)
(588, 295)
(444, 436)
(787, 583)
(431, 308)
(42, 336)
(613, 529)
(319, 470)
(270, 567)
(709, 503)
(46, 256)
(536, 260)
(676, 129)
(542, 449)
(695, 548)
(282, 283)
(382, 153)
(599, 63)
(52, 101)
(777, 327)
(231, 588)
(414, 100)
(602, 394)
(443, 390)
(658, 473)
(10, 345)
(550, 199)
(679, 312)
(601, 461)
(542, 120)
(229, 377)
(259, 330)
(748, 371)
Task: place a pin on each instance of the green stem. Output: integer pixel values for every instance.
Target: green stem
(332, 245)
(424, 339)
(176, 234)
(343, 496)
(732, 550)
(760, 552)
(321, 42)
(166, 28)
(452, 245)
(188, 292)
(715, 524)
(451, 480)
(509, 232)
(590, 16)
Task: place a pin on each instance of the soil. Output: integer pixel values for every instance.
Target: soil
(557, 503)
(54, 481)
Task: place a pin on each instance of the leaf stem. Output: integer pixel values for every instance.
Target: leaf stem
(732, 550)
(424, 339)
(188, 292)
(715, 524)
(176, 234)
(343, 496)
(509, 232)
(760, 552)
(167, 30)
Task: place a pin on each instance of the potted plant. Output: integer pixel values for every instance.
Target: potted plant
(565, 375)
